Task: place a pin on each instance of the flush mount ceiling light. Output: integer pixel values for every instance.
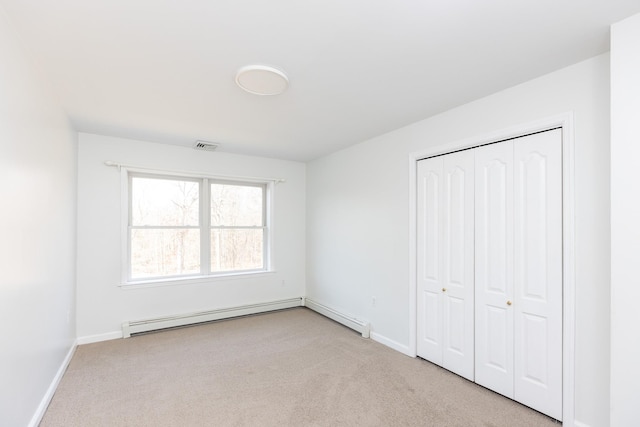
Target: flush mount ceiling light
(262, 80)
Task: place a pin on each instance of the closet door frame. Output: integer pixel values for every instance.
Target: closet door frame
(565, 122)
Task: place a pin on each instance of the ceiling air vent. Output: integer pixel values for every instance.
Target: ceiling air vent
(206, 146)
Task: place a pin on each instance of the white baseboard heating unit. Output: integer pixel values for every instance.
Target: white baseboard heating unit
(349, 321)
(139, 326)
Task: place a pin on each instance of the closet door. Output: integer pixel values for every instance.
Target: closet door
(429, 228)
(458, 264)
(538, 271)
(445, 260)
(518, 247)
(494, 267)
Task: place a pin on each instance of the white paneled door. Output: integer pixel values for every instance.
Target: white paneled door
(429, 253)
(537, 305)
(445, 247)
(494, 267)
(490, 267)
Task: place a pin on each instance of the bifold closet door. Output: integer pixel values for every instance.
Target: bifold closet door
(494, 267)
(518, 272)
(537, 271)
(445, 262)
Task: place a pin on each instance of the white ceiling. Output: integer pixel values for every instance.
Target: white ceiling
(163, 70)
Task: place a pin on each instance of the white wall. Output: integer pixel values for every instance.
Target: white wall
(358, 219)
(103, 305)
(37, 234)
(625, 222)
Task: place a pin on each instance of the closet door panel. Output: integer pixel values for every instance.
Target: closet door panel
(430, 277)
(494, 267)
(458, 263)
(538, 271)
(445, 262)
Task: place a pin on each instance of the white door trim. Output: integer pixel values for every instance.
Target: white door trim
(565, 121)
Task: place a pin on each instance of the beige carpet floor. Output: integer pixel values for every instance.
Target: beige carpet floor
(286, 368)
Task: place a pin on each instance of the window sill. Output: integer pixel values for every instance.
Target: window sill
(194, 280)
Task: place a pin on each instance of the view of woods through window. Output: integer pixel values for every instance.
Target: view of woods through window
(170, 236)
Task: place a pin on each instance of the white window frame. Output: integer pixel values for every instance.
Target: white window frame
(204, 180)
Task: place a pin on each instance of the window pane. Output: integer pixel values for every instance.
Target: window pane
(157, 253)
(164, 202)
(236, 205)
(233, 250)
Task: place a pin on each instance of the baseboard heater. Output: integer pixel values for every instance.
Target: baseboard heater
(349, 321)
(139, 326)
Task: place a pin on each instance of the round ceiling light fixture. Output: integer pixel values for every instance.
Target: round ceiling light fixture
(262, 80)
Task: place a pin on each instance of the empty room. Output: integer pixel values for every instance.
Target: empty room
(319, 213)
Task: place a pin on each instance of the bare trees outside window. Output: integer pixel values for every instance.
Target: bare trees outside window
(237, 227)
(189, 227)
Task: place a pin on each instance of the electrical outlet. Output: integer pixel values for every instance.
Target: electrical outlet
(373, 301)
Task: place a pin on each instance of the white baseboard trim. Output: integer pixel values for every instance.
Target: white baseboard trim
(99, 337)
(404, 349)
(154, 324)
(44, 403)
(346, 319)
(576, 423)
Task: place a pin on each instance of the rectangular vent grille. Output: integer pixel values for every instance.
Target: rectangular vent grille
(204, 145)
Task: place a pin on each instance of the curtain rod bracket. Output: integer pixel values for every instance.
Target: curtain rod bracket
(112, 163)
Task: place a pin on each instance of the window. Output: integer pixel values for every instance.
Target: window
(180, 227)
